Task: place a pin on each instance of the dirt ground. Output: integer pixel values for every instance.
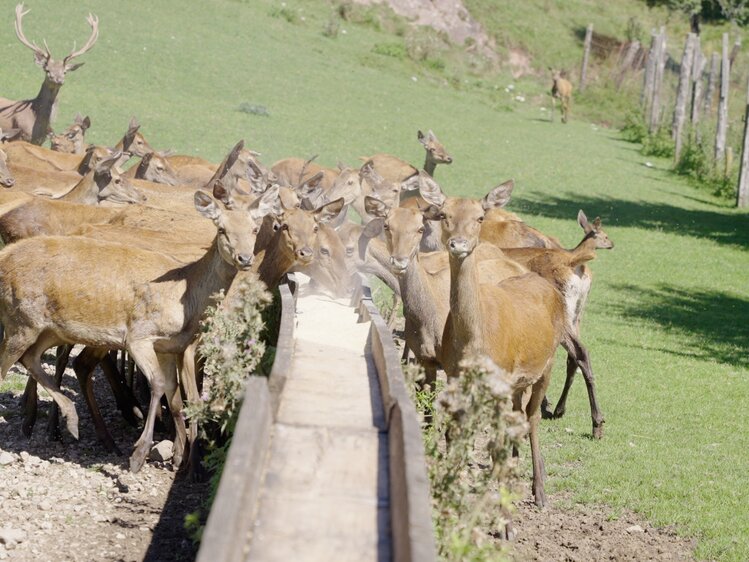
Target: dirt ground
(72, 500)
(586, 533)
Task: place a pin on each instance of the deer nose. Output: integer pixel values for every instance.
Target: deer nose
(245, 260)
(398, 264)
(448, 160)
(458, 246)
(8, 182)
(305, 253)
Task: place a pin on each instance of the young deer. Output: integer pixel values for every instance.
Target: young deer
(34, 116)
(151, 306)
(398, 171)
(518, 323)
(561, 89)
(153, 167)
(71, 140)
(567, 270)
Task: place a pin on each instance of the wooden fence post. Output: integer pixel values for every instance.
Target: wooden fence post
(697, 69)
(722, 131)
(627, 62)
(711, 82)
(742, 191)
(647, 86)
(660, 63)
(683, 95)
(586, 55)
(734, 51)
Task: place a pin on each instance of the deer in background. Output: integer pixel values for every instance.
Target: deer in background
(561, 89)
(71, 140)
(34, 116)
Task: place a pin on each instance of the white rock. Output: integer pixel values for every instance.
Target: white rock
(635, 529)
(11, 536)
(45, 505)
(6, 458)
(162, 451)
(119, 536)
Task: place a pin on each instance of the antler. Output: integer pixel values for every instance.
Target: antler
(93, 21)
(22, 38)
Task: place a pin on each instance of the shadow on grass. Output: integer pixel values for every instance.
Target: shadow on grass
(714, 319)
(725, 228)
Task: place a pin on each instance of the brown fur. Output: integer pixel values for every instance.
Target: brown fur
(60, 280)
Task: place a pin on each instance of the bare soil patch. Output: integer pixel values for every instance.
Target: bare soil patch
(585, 533)
(72, 500)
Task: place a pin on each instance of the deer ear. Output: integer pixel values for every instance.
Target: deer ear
(72, 67)
(268, 203)
(430, 190)
(499, 196)
(371, 230)
(376, 207)
(421, 137)
(432, 213)
(206, 206)
(582, 220)
(41, 58)
(221, 193)
(86, 123)
(329, 211)
(107, 163)
(597, 223)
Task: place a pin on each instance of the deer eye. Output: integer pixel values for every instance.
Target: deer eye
(481, 219)
(255, 230)
(421, 230)
(222, 231)
(324, 251)
(386, 226)
(315, 229)
(284, 226)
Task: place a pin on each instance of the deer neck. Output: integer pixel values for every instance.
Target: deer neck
(429, 164)
(273, 263)
(586, 249)
(85, 192)
(205, 277)
(45, 107)
(465, 304)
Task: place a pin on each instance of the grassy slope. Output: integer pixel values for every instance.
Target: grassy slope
(665, 323)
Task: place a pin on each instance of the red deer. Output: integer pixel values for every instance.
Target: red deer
(34, 116)
(561, 89)
(71, 140)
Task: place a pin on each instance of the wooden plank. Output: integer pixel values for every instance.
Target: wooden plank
(742, 191)
(226, 531)
(722, 129)
(285, 344)
(683, 95)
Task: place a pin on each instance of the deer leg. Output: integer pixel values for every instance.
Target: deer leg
(553, 102)
(187, 367)
(571, 370)
(534, 416)
(61, 363)
(84, 366)
(32, 360)
(29, 407)
(123, 394)
(171, 390)
(583, 361)
(148, 362)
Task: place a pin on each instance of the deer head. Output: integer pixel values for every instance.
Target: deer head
(112, 186)
(6, 178)
(435, 149)
(56, 69)
(595, 230)
(156, 168)
(403, 229)
(461, 218)
(71, 139)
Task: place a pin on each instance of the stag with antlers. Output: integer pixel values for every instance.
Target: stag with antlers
(33, 116)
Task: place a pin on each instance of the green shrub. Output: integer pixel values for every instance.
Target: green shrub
(658, 144)
(696, 162)
(635, 129)
(286, 13)
(395, 50)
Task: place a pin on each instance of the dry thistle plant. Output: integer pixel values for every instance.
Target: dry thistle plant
(471, 470)
(231, 346)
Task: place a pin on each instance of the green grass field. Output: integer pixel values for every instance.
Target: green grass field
(667, 319)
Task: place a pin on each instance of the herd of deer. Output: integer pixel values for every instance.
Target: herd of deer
(119, 260)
